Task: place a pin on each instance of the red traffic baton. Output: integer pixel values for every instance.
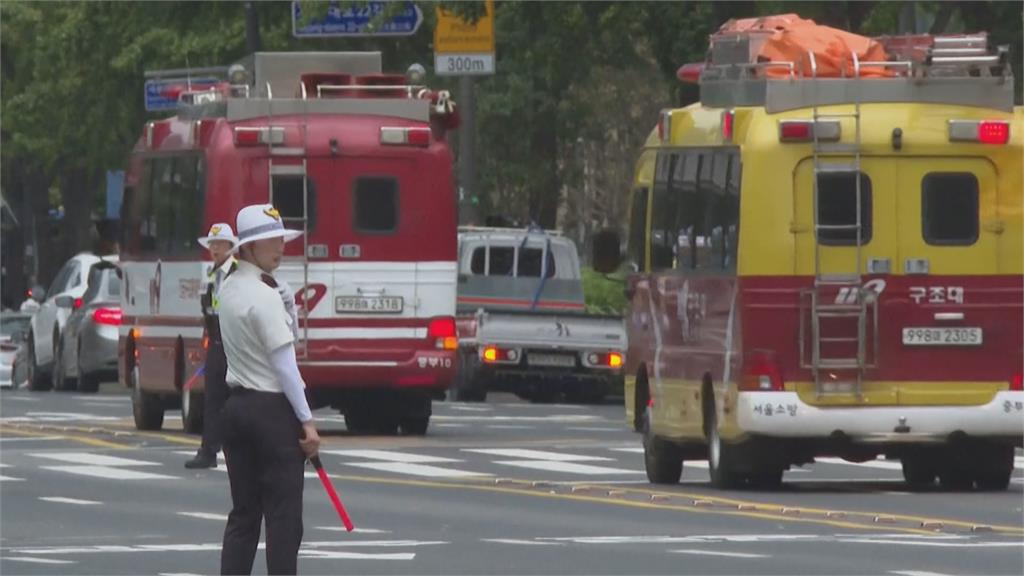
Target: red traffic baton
(329, 487)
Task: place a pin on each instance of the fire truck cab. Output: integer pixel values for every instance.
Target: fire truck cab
(357, 160)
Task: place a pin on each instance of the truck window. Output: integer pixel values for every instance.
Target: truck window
(376, 205)
(165, 212)
(530, 263)
(949, 208)
(663, 218)
(837, 206)
(502, 259)
(287, 198)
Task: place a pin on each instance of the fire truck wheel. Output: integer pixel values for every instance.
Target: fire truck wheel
(414, 425)
(994, 467)
(191, 412)
(720, 455)
(147, 408)
(371, 422)
(662, 461)
(919, 470)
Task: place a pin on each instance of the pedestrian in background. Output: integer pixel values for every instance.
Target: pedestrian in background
(221, 242)
(268, 427)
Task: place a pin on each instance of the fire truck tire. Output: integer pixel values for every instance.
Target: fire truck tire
(146, 408)
(919, 470)
(372, 422)
(995, 467)
(38, 380)
(414, 425)
(720, 454)
(662, 461)
(191, 412)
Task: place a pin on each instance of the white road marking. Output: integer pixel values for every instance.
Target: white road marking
(593, 429)
(356, 531)
(535, 454)
(523, 542)
(715, 553)
(471, 408)
(328, 555)
(566, 467)
(556, 418)
(109, 472)
(31, 438)
(416, 469)
(93, 459)
(509, 427)
(205, 516)
(1018, 462)
(449, 425)
(916, 573)
(634, 450)
(63, 500)
(1014, 544)
(58, 417)
(881, 464)
(10, 479)
(178, 574)
(8, 397)
(37, 560)
(307, 547)
(389, 456)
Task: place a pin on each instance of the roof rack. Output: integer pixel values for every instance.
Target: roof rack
(952, 69)
(509, 230)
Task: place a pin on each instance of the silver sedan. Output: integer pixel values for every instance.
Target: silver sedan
(87, 352)
(14, 328)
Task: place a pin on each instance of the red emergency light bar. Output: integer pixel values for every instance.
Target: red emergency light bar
(690, 73)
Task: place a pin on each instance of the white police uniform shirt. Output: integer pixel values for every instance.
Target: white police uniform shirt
(253, 323)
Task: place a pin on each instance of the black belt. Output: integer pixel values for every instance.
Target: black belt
(243, 391)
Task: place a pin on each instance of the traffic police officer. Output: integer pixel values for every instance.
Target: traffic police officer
(268, 427)
(221, 242)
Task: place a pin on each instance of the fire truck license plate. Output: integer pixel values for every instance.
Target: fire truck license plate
(559, 360)
(364, 304)
(942, 336)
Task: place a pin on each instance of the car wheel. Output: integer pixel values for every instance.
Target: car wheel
(37, 379)
(662, 461)
(191, 411)
(146, 408)
(87, 383)
(61, 382)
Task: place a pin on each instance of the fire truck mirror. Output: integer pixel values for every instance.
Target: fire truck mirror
(607, 254)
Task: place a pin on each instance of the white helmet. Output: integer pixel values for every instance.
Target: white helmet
(262, 221)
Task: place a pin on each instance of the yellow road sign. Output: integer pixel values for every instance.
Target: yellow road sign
(455, 36)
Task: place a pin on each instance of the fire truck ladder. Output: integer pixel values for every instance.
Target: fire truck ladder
(840, 323)
(282, 163)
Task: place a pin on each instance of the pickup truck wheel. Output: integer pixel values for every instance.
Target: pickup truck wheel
(469, 385)
(662, 461)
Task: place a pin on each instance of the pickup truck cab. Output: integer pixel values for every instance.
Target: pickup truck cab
(522, 321)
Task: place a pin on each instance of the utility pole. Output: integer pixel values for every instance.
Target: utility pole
(469, 210)
(252, 29)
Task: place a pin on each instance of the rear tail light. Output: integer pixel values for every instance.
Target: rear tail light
(805, 130)
(78, 303)
(984, 131)
(107, 316)
(495, 355)
(396, 136)
(604, 360)
(1017, 382)
(442, 332)
(728, 119)
(9, 347)
(761, 373)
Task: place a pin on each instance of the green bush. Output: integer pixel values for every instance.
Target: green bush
(603, 294)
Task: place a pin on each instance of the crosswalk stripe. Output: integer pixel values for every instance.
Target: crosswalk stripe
(724, 554)
(417, 469)
(63, 500)
(566, 467)
(390, 456)
(93, 459)
(109, 472)
(37, 560)
(535, 454)
(205, 516)
(10, 479)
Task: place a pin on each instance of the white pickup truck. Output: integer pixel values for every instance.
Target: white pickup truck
(522, 321)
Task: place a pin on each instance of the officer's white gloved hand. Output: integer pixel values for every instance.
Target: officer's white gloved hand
(289, 306)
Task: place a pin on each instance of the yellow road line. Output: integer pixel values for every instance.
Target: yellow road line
(75, 438)
(644, 505)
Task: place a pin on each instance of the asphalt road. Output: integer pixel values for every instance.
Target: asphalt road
(504, 487)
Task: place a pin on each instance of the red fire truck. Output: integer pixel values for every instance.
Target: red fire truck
(356, 159)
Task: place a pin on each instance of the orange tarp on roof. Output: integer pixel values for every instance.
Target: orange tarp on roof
(792, 37)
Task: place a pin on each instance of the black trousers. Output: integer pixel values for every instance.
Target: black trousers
(265, 469)
(215, 395)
